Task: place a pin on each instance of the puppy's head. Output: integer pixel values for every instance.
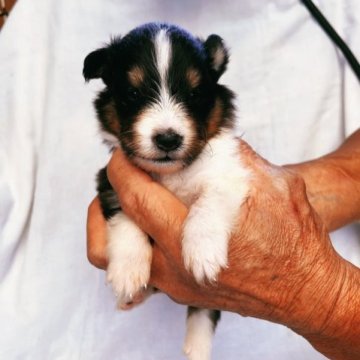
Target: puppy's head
(162, 101)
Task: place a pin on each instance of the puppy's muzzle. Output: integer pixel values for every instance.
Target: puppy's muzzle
(168, 140)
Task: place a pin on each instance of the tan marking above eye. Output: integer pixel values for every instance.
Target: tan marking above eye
(193, 76)
(136, 76)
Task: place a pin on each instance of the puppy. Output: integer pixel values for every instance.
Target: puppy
(163, 106)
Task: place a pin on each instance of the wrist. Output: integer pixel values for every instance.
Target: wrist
(333, 188)
(326, 309)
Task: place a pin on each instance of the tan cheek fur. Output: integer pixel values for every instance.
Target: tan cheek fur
(112, 121)
(215, 119)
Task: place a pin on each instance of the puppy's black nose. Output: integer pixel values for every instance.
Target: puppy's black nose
(168, 141)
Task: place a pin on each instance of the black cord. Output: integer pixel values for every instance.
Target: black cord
(4, 12)
(334, 36)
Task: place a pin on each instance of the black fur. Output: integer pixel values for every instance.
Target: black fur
(212, 44)
(94, 64)
(108, 199)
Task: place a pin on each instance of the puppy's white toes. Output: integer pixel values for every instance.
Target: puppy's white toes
(204, 257)
(127, 278)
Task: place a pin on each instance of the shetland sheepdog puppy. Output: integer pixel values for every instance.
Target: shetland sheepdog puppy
(163, 106)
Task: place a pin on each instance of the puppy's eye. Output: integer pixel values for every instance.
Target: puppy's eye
(194, 94)
(133, 94)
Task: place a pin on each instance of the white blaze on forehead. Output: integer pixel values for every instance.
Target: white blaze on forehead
(166, 108)
(163, 54)
(166, 113)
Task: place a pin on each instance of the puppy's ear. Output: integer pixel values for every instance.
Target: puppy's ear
(218, 55)
(94, 64)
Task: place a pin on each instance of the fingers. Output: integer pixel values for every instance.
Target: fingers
(96, 235)
(159, 269)
(173, 279)
(155, 210)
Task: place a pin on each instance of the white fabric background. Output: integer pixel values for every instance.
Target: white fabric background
(297, 100)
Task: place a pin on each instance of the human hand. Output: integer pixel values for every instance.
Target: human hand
(282, 266)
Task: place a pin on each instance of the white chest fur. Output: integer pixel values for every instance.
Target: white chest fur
(213, 187)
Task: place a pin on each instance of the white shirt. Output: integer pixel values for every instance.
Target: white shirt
(297, 100)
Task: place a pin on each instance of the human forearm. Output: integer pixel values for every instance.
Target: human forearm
(333, 326)
(333, 189)
(333, 183)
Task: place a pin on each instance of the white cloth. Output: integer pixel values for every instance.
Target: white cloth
(297, 100)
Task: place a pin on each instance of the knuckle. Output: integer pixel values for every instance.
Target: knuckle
(97, 258)
(129, 200)
(298, 182)
(294, 179)
(294, 182)
(90, 208)
(281, 183)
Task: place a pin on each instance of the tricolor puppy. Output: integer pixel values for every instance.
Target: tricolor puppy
(163, 106)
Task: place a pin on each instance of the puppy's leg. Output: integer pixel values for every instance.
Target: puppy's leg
(200, 327)
(129, 249)
(207, 231)
(130, 255)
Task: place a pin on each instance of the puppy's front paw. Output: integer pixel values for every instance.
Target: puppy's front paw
(130, 255)
(204, 251)
(129, 276)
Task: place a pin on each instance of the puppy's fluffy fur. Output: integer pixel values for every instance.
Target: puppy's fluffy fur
(163, 106)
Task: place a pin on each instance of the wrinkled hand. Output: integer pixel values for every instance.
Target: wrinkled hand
(282, 266)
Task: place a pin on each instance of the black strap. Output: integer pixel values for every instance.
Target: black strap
(334, 36)
(4, 12)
